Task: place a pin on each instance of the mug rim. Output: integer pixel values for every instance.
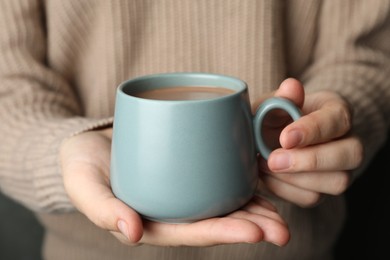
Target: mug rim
(235, 84)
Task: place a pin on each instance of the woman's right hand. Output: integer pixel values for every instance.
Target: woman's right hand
(85, 161)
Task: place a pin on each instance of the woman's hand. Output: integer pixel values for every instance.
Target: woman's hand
(318, 150)
(85, 160)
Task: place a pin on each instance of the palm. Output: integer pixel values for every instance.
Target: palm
(85, 162)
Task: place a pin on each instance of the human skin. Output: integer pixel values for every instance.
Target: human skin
(317, 150)
(85, 162)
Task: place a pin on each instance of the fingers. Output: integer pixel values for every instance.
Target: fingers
(115, 216)
(91, 194)
(293, 90)
(290, 88)
(291, 193)
(328, 182)
(208, 232)
(316, 151)
(85, 169)
(326, 116)
(333, 183)
(342, 154)
(85, 161)
(270, 221)
(255, 222)
(309, 171)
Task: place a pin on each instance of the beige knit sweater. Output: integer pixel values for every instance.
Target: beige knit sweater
(61, 61)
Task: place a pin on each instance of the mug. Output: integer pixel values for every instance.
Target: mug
(187, 158)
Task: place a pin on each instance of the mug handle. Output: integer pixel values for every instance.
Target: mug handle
(268, 105)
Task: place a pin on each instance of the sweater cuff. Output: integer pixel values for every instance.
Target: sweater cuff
(42, 188)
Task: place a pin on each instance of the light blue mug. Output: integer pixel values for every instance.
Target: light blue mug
(180, 161)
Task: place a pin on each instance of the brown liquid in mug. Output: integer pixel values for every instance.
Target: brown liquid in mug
(185, 93)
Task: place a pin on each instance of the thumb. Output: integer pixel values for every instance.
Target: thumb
(92, 196)
(115, 216)
(290, 88)
(293, 90)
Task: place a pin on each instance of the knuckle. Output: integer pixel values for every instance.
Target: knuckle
(106, 218)
(308, 161)
(101, 220)
(346, 117)
(315, 126)
(358, 152)
(311, 200)
(341, 183)
(313, 162)
(342, 109)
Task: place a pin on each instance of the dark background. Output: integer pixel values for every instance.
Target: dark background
(20, 233)
(365, 235)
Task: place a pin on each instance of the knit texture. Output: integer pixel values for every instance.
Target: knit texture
(61, 61)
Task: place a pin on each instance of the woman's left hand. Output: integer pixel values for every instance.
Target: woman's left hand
(318, 151)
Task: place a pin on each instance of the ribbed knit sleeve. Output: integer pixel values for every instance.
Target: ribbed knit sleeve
(352, 57)
(38, 109)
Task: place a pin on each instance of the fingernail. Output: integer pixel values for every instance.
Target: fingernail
(295, 138)
(122, 226)
(280, 161)
(276, 244)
